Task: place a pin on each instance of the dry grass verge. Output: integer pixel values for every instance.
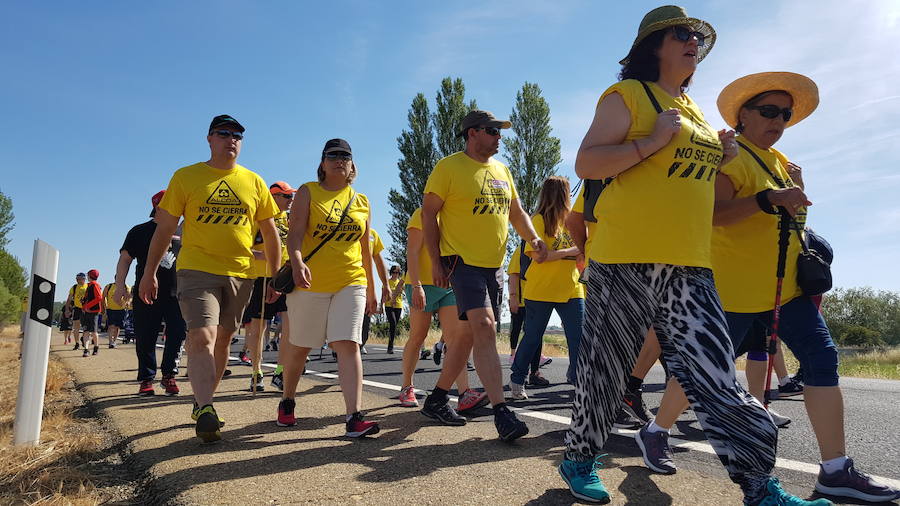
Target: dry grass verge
(52, 472)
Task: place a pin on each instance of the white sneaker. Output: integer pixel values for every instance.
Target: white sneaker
(781, 421)
(517, 391)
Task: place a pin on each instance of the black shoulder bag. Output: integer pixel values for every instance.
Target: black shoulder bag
(814, 261)
(283, 281)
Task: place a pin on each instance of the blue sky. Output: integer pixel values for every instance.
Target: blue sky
(103, 101)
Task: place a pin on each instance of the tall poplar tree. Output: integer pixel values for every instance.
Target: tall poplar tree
(430, 137)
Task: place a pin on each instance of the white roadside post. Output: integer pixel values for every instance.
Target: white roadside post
(36, 345)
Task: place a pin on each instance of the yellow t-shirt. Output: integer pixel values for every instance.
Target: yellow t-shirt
(77, 293)
(515, 267)
(415, 221)
(745, 254)
(398, 300)
(339, 262)
(475, 215)
(375, 244)
(109, 302)
(557, 280)
(281, 225)
(220, 208)
(660, 210)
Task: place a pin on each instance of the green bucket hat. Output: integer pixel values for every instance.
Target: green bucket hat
(672, 15)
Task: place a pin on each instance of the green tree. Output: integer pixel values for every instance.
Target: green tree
(532, 153)
(851, 312)
(430, 137)
(12, 274)
(6, 219)
(451, 108)
(418, 157)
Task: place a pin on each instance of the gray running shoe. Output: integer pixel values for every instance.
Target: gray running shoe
(655, 449)
(848, 482)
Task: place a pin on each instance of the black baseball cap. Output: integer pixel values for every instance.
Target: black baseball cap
(80, 275)
(224, 119)
(478, 119)
(336, 145)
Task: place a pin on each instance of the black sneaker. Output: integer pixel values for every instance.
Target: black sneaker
(76, 346)
(86, 353)
(624, 420)
(207, 427)
(425, 354)
(438, 351)
(655, 450)
(96, 350)
(509, 427)
(274, 345)
(442, 412)
(848, 482)
(259, 382)
(792, 389)
(634, 405)
(278, 381)
(390, 350)
(536, 380)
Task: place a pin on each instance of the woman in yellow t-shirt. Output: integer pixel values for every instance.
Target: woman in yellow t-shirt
(425, 299)
(328, 246)
(745, 252)
(393, 307)
(552, 284)
(650, 264)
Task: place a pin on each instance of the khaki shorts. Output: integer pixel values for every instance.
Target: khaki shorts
(209, 300)
(326, 317)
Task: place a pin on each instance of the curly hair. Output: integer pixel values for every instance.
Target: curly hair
(643, 62)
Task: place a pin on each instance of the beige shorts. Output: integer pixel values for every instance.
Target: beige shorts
(320, 318)
(209, 300)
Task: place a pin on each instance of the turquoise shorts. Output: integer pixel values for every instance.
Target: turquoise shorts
(435, 297)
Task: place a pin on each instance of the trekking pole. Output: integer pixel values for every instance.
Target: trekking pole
(256, 359)
(783, 238)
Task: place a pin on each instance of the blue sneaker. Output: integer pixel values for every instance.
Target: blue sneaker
(777, 496)
(582, 479)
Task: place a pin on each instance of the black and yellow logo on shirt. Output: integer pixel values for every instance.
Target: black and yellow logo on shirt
(496, 196)
(700, 161)
(347, 230)
(223, 195)
(337, 210)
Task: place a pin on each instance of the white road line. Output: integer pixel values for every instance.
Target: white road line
(792, 465)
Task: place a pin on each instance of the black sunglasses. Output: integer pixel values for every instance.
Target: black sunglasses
(224, 134)
(684, 34)
(288, 196)
(772, 111)
(338, 156)
(491, 130)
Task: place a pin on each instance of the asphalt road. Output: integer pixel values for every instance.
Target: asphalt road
(872, 411)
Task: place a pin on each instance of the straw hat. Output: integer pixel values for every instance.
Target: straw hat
(802, 90)
(672, 15)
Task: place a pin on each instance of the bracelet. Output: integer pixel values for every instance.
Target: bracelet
(765, 205)
(637, 149)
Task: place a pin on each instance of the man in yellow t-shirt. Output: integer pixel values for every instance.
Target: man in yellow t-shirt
(114, 312)
(254, 314)
(220, 202)
(73, 303)
(475, 197)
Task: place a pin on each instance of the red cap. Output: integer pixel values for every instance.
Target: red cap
(157, 198)
(282, 188)
(93, 274)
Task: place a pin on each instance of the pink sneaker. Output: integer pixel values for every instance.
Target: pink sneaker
(408, 397)
(471, 399)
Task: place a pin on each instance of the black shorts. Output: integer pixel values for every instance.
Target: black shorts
(115, 317)
(76, 314)
(89, 321)
(474, 287)
(756, 339)
(65, 324)
(254, 307)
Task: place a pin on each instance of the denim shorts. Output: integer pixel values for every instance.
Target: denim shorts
(435, 297)
(474, 287)
(803, 330)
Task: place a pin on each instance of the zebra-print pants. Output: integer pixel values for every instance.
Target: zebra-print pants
(681, 303)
